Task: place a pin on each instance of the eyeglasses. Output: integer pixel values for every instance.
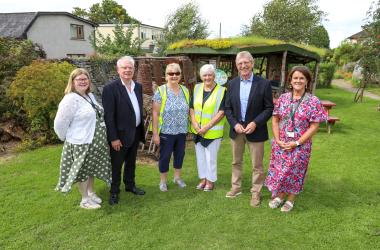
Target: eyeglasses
(173, 73)
(81, 79)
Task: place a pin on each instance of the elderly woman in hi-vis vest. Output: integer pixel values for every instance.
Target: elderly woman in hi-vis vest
(207, 125)
(170, 124)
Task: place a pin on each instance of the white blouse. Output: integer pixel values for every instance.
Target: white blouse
(76, 119)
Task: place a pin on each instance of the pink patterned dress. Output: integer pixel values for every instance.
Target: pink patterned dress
(287, 169)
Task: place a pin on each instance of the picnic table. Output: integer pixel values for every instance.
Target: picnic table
(327, 105)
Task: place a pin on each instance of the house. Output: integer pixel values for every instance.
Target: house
(60, 34)
(150, 34)
(357, 37)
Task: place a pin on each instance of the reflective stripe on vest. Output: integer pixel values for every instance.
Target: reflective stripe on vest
(210, 108)
(163, 93)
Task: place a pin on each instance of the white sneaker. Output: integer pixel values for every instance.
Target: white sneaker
(95, 198)
(163, 187)
(180, 183)
(89, 204)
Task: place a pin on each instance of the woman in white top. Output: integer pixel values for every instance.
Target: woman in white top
(80, 124)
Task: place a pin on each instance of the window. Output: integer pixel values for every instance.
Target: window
(143, 35)
(76, 31)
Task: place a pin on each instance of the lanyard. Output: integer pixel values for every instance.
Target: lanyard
(90, 102)
(294, 109)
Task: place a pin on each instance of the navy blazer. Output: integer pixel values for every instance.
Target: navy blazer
(119, 114)
(259, 107)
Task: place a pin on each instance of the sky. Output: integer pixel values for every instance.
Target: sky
(344, 17)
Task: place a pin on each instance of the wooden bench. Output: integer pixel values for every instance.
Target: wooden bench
(330, 122)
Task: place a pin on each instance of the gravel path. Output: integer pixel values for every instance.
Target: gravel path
(342, 84)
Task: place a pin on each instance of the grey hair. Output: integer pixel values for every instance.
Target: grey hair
(245, 54)
(126, 58)
(207, 68)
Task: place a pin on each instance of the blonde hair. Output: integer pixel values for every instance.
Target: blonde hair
(70, 84)
(174, 66)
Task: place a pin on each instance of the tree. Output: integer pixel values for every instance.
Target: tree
(120, 44)
(108, 11)
(347, 52)
(290, 20)
(184, 23)
(320, 37)
(370, 60)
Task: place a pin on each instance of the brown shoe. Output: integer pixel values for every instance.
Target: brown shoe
(256, 200)
(233, 193)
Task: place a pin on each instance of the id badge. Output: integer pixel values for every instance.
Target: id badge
(290, 134)
(103, 124)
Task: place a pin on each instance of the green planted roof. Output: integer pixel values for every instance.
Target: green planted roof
(231, 46)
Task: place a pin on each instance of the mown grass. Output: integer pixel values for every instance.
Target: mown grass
(339, 208)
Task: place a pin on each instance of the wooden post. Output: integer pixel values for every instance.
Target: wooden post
(315, 78)
(283, 69)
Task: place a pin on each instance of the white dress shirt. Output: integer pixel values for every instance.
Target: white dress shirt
(75, 119)
(135, 103)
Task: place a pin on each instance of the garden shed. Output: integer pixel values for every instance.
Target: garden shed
(273, 58)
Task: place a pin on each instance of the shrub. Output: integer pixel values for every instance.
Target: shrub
(14, 54)
(36, 91)
(326, 74)
(338, 74)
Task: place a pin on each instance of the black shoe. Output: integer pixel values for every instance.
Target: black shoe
(135, 190)
(114, 199)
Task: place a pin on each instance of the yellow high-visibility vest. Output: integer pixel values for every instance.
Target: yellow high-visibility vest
(203, 115)
(163, 93)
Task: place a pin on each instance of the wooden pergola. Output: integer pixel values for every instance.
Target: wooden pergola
(274, 60)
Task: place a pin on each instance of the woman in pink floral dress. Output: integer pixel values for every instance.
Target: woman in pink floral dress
(296, 119)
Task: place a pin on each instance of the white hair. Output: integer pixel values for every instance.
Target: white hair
(126, 58)
(244, 54)
(207, 68)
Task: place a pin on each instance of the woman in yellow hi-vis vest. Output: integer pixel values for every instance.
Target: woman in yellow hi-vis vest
(207, 125)
(170, 124)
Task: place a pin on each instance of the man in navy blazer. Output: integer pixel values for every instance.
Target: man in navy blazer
(123, 113)
(248, 107)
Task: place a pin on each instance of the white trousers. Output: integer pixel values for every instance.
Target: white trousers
(207, 159)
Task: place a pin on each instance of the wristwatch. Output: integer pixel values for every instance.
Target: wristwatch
(297, 143)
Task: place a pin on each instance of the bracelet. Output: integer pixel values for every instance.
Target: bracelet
(297, 143)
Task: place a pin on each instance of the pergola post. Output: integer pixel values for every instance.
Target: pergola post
(283, 69)
(315, 77)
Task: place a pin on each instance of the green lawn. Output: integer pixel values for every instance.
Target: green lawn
(374, 90)
(339, 208)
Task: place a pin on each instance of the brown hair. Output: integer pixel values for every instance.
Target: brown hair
(70, 84)
(304, 71)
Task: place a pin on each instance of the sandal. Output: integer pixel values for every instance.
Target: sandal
(201, 185)
(208, 188)
(287, 207)
(275, 203)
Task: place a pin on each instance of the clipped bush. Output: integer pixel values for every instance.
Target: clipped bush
(14, 54)
(326, 74)
(36, 91)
